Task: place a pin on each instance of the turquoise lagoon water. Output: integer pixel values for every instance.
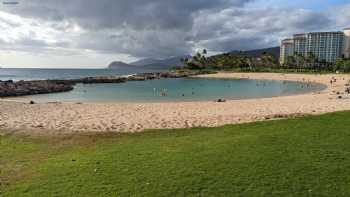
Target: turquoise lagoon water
(154, 90)
(186, 89)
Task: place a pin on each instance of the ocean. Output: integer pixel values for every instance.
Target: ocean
(17, 74)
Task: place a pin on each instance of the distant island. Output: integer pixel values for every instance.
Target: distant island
(118, 64)
(151, 63)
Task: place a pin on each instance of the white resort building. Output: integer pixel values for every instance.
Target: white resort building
(326, 46)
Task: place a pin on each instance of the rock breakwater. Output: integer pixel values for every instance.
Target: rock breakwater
(24, 88)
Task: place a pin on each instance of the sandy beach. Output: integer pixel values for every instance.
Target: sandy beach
(66, 118)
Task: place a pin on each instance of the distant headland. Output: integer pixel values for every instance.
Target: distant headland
(167, 63)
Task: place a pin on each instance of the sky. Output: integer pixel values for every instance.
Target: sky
(93, 33)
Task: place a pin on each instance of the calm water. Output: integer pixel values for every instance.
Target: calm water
(178, 90)
(34, 74)
(154, 90)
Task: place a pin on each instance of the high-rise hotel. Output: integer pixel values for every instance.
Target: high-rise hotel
(326, 46)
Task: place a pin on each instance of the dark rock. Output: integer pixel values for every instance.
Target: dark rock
(136, 78)
(221, 101)
(32, 102)
(22, 88)
(91, 80)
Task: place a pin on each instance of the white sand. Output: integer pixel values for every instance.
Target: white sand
(61, 118)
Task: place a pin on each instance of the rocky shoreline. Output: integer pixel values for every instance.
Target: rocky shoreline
(25, 88)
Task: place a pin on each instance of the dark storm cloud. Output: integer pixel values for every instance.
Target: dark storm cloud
(146, 28)
(244, 29)
(162, 28)
(138, 14)
(146, 43)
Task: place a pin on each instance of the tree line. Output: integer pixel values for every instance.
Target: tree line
(311, 62)
(265, 61)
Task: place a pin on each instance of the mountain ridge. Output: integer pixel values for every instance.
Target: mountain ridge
(275, 51)
(150, 63)
(169, 63)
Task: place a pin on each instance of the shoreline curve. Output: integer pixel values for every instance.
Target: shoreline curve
(70, 118)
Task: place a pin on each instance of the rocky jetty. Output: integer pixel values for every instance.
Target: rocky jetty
(23, 88)
(172, 74)
(108, 79)
(138, 77)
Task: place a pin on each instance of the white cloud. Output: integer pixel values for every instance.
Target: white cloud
(89, 32)
(343, 16)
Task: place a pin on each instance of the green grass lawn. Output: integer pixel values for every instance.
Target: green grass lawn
(307, 156)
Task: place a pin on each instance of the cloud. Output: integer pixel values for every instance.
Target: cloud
(137, 14)
(155, 28)
(243, 29)
(146, 43)
(343, 16)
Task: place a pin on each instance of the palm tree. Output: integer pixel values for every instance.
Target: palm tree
(205, 51)
(300, 59)
(268, 60)
(291, 62)
(311, 60)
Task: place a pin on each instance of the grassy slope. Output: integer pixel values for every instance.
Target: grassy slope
(298, 157)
